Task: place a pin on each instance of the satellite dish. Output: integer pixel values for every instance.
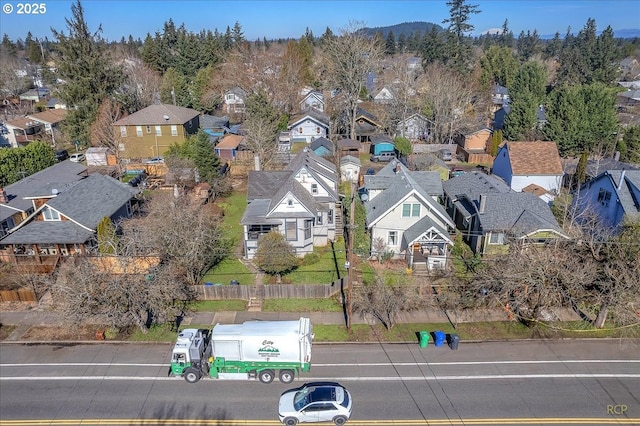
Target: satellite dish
(54, 191)
(166, 117)
(364, 197)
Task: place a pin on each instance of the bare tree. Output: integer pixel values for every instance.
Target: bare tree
(103, 133)
(449, 99)
(183, 233)
(385, 302)
(347, 60)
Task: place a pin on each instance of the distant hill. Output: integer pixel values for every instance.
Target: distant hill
(406, 28)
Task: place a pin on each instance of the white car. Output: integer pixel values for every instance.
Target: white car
(315, 402)
(155, 160)
(77, 157)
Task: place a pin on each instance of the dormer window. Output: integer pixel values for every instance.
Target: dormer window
(50, 214)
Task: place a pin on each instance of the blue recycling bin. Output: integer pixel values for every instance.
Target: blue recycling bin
(439, 337)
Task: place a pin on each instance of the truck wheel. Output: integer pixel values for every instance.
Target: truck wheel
(339, 420)
(290, 421)
(286, 376)
(266, 376)
(192, 375)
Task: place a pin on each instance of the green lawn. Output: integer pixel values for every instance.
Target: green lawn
(233, 207)
(227, 270)
(218, 305)
(301, 305)
(324, 270)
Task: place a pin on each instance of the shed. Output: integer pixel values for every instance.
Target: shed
(99, 156)
(381, 143)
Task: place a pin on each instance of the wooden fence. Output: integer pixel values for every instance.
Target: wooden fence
(20, 295)
(271, 291)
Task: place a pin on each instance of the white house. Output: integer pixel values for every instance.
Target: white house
(521, 164)
(234, 100)
(308, 125)
(415, 127)
(312, 99)
(350, 168)
(403, 212)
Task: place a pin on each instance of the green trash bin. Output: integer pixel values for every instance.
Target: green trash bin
(424, 338)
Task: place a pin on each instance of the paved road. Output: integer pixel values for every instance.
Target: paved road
(546, 382)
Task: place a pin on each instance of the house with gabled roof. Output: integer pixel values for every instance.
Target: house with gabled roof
(22, 131)
(613, 196)
(366, 124)
(150, 132)
(66, 217)
(52, 119)
(312, 99)
(308, 125)
(322, 147)
(403, 212)
(521, 164)
(227, 148)
(490, 215)
(301, 202)
(473, 141)
(416, 127)
(16, 199)
(234, 100)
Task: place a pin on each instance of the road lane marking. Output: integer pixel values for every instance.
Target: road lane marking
(353, 379)
(364, 364)
(426, 422)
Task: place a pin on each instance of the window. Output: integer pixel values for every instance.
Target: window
(314, 188)
(123, 131)
(148, 129)
(319, 218)
(496, 238)
(330, 217)
(307, 228)
(604, 197)
(139, 131)
(158, 131)
(411, 210)
(174, 130)
(299, 129)
(256, 231)
(392, 239)
(289, 202)
(290, 230)
(50, 214)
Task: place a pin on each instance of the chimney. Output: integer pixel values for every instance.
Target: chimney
(3, 196)
(256, 161)
(396, 170)
(621, 181)
(483, 201)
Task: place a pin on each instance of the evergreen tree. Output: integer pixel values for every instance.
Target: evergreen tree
(275, 255)
(18, 163)
(200, 99)
(606, 58)
(328, 35)
(496, 141)
(89, 74)
(308, 35)
(528, 45)
(150, 54)
(581, 169)
(432, 47)
(506, 36)
(553, 47)
(582, 118)
(458, 45)
(629, 145)
(174, 89)
(206, 161)
(390, 44)
(8, 47)
(527, 93)
(499, 66)
(402, 43)
(237, 35)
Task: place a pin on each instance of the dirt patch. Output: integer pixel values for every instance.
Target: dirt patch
(73, 333)
(5, 331)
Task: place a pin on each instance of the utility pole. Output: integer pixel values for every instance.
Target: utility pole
(350, 264)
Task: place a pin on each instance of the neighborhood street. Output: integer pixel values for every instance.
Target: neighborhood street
(542, 382)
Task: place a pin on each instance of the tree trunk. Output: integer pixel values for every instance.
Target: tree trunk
(602, 316)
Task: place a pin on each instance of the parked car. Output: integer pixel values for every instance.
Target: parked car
(62, 154)
(77, 157)
(445, 155)
(155, 160)
(383, 156)
(315, 402)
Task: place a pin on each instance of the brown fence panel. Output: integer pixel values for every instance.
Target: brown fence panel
(20, 295)
(271, 291)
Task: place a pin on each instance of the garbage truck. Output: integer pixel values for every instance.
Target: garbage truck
(253, 350)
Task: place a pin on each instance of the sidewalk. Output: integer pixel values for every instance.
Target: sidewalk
(25, 319)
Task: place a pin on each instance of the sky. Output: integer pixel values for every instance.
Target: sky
(291, 18)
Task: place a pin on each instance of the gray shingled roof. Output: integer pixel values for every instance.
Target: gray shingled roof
(264, 184)
(428, 180)
(41, 232)
(41, 183)
(316, 115)
(419, 228)
(316, 166)
(625, 192)
(155, 115)
(520, 213)
(321, 142)
(400, 185)
(472, 184)
(93, 198)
